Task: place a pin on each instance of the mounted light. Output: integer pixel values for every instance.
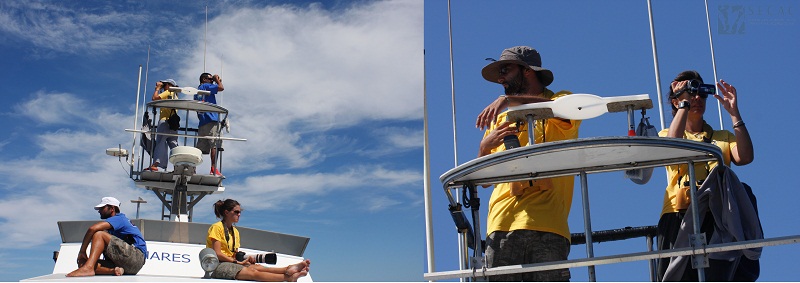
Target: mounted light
(208, 261)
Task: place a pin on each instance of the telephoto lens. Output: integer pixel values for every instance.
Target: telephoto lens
(239, 256)
(268, 258)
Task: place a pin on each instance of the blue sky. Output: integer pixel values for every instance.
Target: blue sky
(604, 48)
(328, 96)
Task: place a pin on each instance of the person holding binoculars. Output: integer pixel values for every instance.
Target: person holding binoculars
(223, 237)
(166, 124)
(687, 96)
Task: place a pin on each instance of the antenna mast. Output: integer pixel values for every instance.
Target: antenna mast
(205, 41)
(714, 66)
(655, 64)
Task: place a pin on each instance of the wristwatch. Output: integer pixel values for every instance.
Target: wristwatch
(684, 105)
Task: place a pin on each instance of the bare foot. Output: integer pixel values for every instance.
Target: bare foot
(298, 267)
(297, 275)
(119, 271)
(81, 272)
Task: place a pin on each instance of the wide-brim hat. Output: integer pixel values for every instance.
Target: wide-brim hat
(520, 55)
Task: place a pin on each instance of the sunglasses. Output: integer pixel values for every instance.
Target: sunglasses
(237, 211)
(504, 70)
(702, 95)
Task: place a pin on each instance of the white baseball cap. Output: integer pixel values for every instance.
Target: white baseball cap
(106, 201)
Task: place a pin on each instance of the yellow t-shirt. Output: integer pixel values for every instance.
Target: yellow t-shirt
(166, 112)
(677, 174)
(217, 232)
(545, 205)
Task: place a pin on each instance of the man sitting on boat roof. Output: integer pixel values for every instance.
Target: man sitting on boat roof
(117, 239)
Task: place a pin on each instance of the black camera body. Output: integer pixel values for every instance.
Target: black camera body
(695, 87)
(511, 141)
(268, 258)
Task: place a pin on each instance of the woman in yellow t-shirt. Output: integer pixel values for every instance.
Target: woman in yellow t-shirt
(223, 237)
(687, 95)
(160, 153)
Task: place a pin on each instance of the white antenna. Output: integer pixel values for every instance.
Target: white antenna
(221, 73)
(138, 93)
(714, 66)
(427, 172)
(205, 41)
(655, 64)
(462, 252)
(136, 114)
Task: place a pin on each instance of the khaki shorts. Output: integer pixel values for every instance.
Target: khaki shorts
(227, 270)
(526, 247)
(208, 129)
(121, 254)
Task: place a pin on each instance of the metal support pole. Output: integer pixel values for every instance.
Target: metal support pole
(478, 261)
(652, 262)
(179, 197)
(138, 202)
(587, 223)
(531, 127)
(631, 119)
(697, 239)
(463, 250)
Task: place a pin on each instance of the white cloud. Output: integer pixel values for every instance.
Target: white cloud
(72, 28)
(274, 191)
(53, 108)
(292, 75)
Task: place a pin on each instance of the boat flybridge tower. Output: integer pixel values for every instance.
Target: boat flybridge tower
(580, 157)
(181, 188)
(176, 246)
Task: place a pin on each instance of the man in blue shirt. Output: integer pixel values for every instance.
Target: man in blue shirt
(209, 122)
(116, 238)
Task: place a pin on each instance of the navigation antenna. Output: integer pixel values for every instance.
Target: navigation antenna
(714, 66)
(205, 41)
(139, 92)
(462, 249)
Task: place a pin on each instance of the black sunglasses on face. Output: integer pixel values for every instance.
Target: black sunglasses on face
(702, 95)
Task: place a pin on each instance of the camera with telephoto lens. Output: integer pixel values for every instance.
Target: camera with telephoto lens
(268, 258)
(695, 87)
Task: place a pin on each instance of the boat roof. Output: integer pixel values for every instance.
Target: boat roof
(193, 233)
(61, 277)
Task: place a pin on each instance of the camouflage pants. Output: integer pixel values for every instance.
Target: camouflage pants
(118, 253)
(526, 247)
